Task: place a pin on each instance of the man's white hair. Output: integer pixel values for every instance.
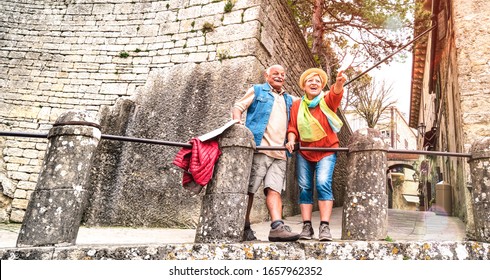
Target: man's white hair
(268, 70)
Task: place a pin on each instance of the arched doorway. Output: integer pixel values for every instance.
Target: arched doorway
(403, 187)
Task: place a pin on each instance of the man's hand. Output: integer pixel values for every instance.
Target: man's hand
(236, 115)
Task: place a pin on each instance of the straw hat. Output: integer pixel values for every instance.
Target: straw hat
(309, 73)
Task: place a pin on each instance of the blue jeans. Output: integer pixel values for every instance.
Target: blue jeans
(323, 172)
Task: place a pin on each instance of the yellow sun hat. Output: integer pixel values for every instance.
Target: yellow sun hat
(309, 73)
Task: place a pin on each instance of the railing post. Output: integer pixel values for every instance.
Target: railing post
(480, 180)
(365, 212)
(55, 209)
(224, 205)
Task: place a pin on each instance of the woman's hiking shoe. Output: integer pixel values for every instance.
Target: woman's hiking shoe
(307, 232)
(325, 234)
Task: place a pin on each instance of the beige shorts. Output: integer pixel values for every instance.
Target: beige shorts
(270, 171)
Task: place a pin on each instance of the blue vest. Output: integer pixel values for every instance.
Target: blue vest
(259, 111)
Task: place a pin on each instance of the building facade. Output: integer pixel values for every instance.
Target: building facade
(450, 91)
(393, 127)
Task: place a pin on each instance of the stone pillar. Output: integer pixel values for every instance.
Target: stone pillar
(224, 205)
(480, 181)
(55, 209)
(365, 212)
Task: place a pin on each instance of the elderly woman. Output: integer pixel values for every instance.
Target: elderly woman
(314, 123)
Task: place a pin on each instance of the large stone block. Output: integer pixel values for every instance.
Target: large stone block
(224, 206)
(232, 171)
(222, 218)
(52, 218)
(482, 220)
(55, 208)
(365, 212)
(367, 172)
(480, 177)
(365, 217)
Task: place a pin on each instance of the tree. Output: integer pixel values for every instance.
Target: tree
(359, 30)
(356, 88)
(356, 33)
(372, 100)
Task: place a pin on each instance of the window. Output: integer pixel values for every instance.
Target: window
(385, 133)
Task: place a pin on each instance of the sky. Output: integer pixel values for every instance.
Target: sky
(400, 75)
(397, 73)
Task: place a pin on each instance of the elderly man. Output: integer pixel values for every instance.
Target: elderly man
(268, 107)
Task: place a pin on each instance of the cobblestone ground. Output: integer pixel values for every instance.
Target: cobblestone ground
(402, 226)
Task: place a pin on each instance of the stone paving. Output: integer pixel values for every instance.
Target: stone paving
(412, 235)
(402, 226)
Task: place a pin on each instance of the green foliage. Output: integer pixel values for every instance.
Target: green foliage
(357, 33)
(223, 54)
(388, 238)
(317, 59)
(229, 6)
(207, 27)
(123, 54)
(137, 50)
(362, 31)
(302, 11)
(422, 18)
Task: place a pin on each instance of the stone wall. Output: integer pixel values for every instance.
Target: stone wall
(471, 28)
(167, 70)
(307, 251)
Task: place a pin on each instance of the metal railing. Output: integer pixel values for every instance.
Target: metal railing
(259, 148)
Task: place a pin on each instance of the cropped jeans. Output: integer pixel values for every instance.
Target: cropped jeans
(323, 172)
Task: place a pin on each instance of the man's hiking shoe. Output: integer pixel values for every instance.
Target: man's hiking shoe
(325, 234)
(282, 233)
(249, 235)
(307, 232)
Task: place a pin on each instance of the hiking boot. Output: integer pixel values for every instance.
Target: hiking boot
(282, 233)
(325, 234)
(307, 232)
(249, 235)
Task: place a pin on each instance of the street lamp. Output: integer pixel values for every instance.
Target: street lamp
(421, 129)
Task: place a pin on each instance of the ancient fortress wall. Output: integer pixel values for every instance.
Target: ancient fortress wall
(472, 36)
(167, 70)
(472, 118)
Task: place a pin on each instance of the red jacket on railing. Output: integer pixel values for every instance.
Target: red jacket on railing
(198, 163)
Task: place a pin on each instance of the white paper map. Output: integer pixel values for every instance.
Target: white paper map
(217, 131)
